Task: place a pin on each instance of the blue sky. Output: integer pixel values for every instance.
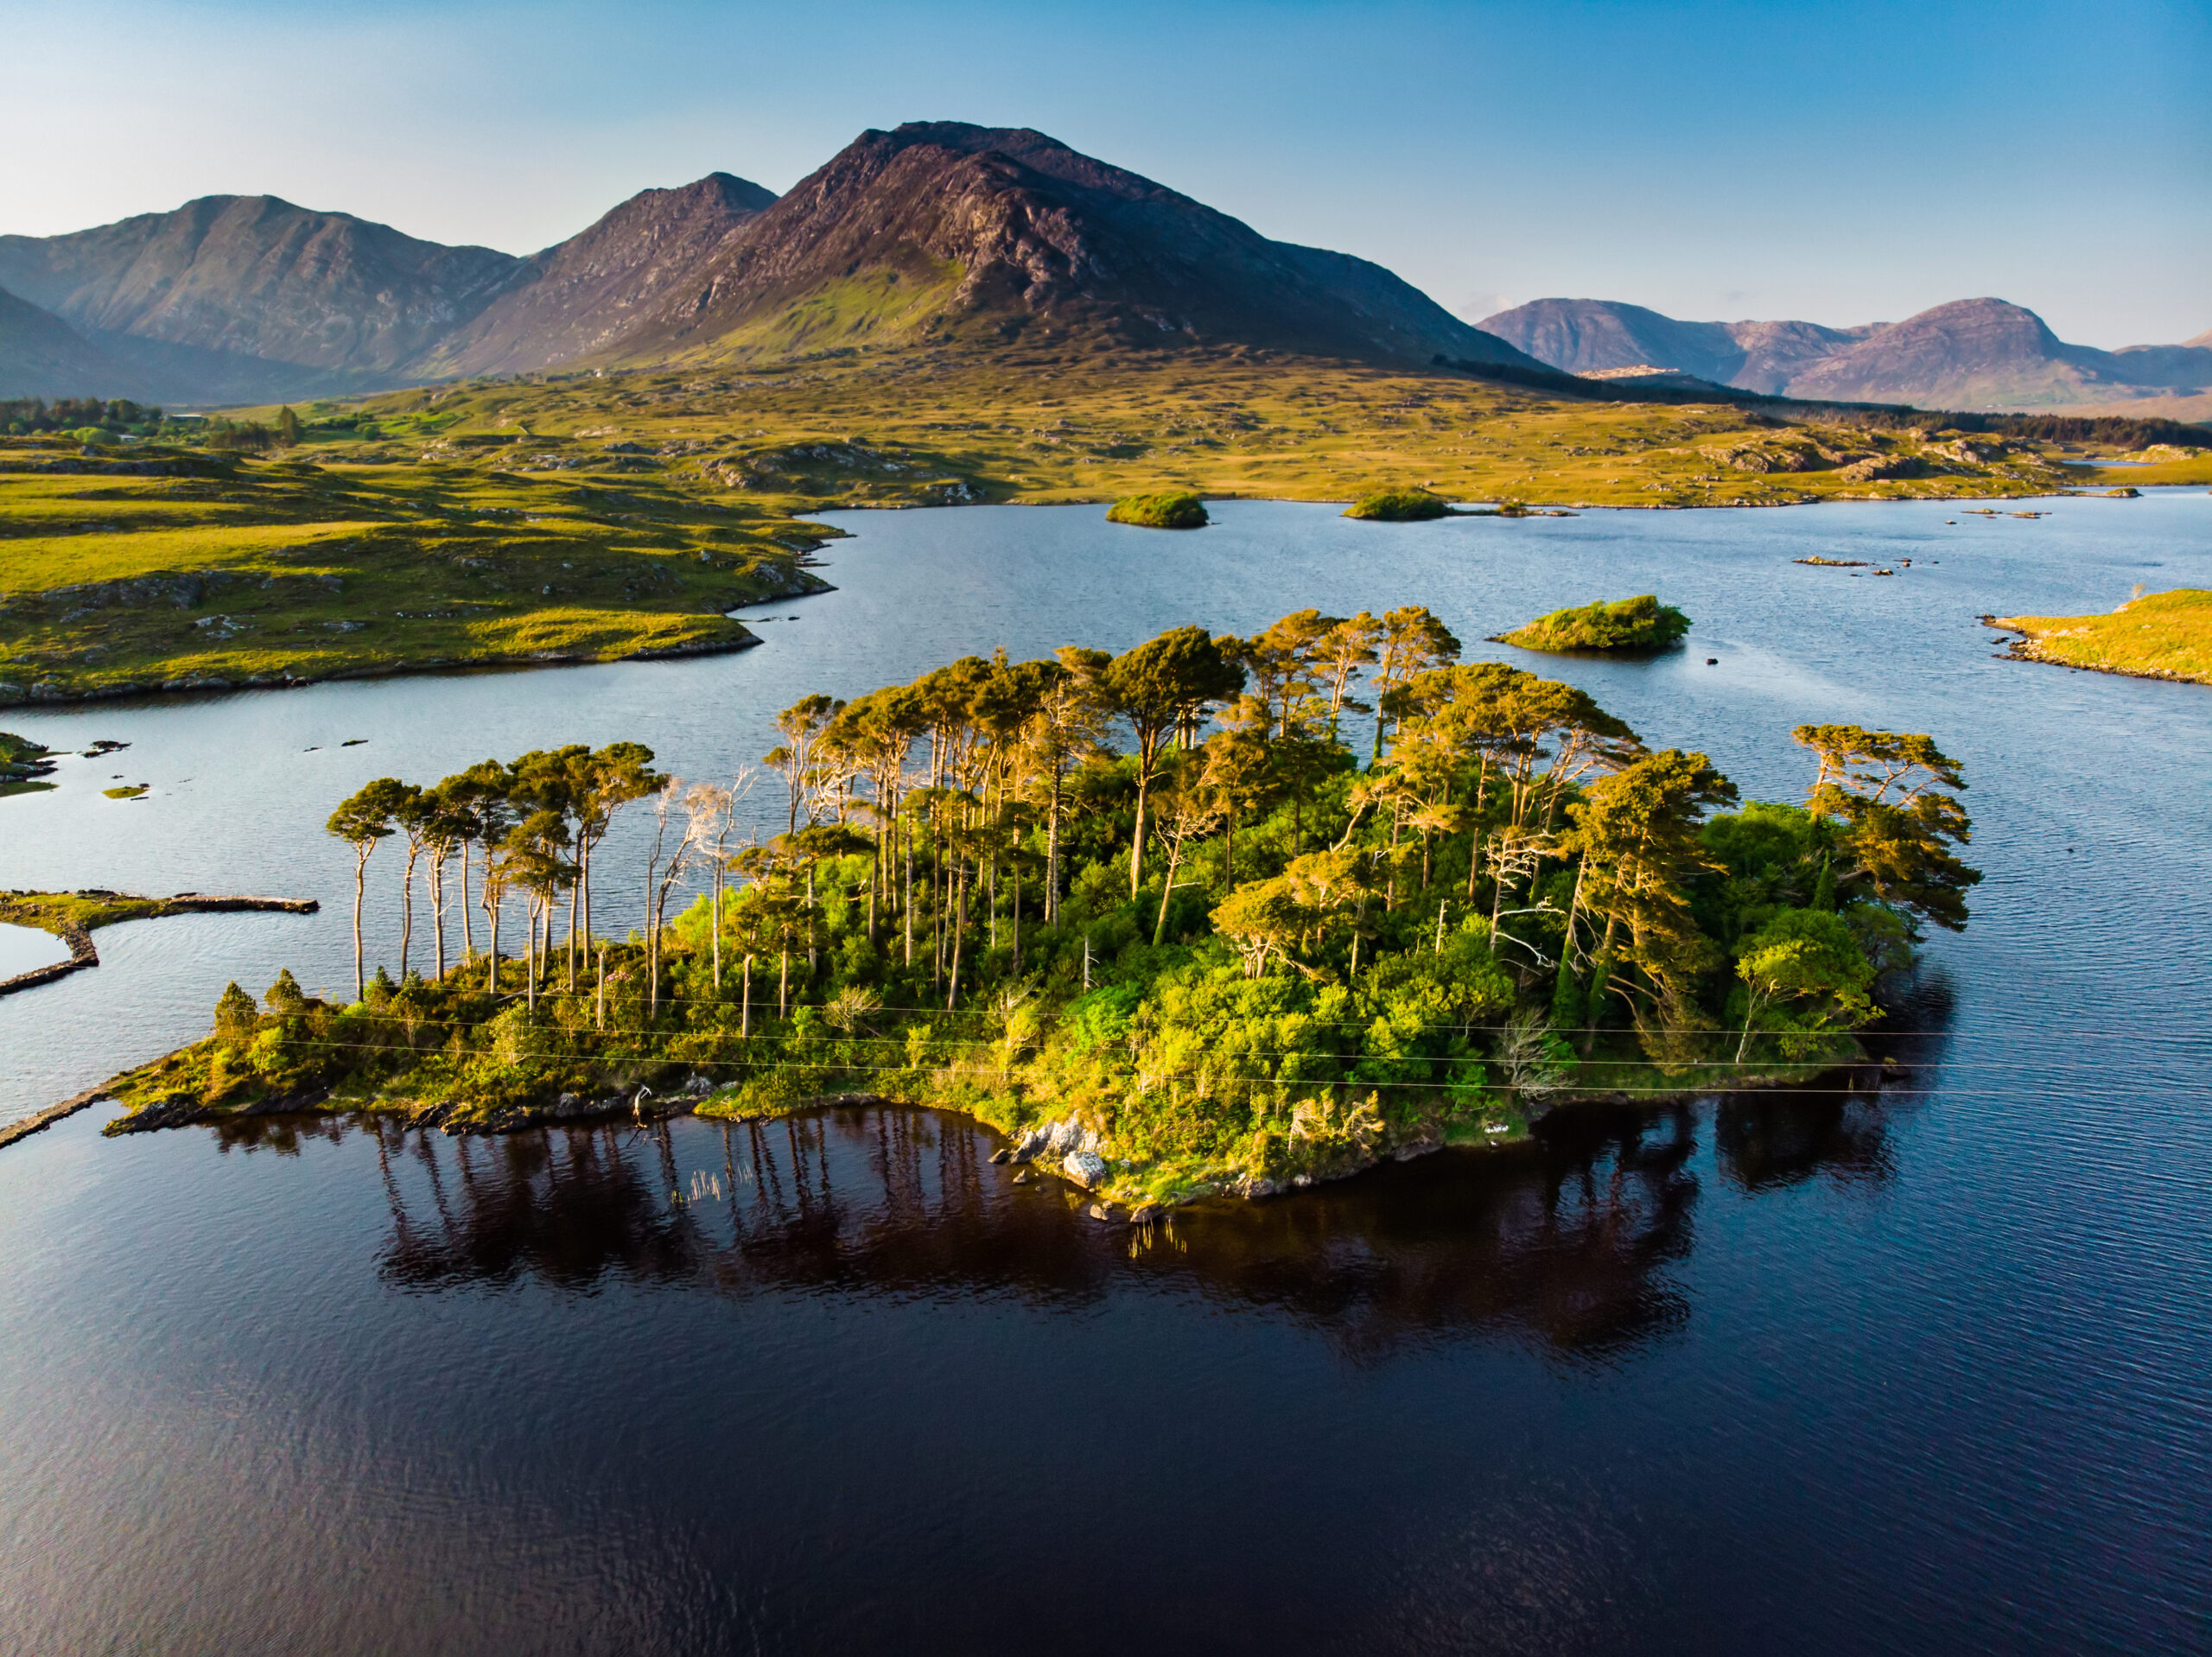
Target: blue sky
(1843, 163)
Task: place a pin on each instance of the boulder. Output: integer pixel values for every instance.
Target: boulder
(1085, 1168)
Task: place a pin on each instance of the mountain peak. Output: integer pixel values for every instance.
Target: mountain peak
(943, 229)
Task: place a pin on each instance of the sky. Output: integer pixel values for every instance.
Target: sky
(1841, 163)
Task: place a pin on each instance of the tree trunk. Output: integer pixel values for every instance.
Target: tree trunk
(784, 986)
(745, 998)
(360, 884)
(959, 930)
(467, 920)
(406, 911)
(1136, 843)
(1167, 889)
(438, 909)
(1052, 857)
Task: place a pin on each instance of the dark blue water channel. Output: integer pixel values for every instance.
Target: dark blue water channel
(1924, 1367)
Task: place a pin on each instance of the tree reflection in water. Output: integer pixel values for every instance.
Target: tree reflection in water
(1565, 1243)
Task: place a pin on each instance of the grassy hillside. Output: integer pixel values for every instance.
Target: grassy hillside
(2159, 636)
(590, 516)
(181, 570)
(919, 426)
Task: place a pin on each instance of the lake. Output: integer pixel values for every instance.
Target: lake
(1924, 1368)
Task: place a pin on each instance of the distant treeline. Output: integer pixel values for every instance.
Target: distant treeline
(21, 416)
(2122, 430)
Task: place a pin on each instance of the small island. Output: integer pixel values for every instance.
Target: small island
(1637, 624)
(1157, 917)
(1399, 507)
(1173, 509)
(24, 765)
(2156, 636)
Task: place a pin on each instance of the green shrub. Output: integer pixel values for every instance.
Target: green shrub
(1637, 624)
(1171, 511)
(1398, 505)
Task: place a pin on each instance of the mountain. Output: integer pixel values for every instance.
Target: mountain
(1586, 336)
(1972, 353)
(243, 291)
(583, 295)
(42, 356)
(941, 230)
(938, 231)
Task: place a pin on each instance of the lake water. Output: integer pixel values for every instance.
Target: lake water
(1929, 1369)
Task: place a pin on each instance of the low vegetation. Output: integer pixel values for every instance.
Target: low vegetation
(177, 568)
(582, 515)
(1637, 624)
(1159, 511)
(1159, 904)
(2156, 635)
(1398, 505)
(24, 765)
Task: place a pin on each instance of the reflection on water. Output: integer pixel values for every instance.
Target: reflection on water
(1565, 1242)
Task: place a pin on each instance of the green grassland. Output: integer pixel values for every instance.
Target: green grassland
(595, 515)
(2159, 636)
(926, 426)
(169, 569)
(2161, 466)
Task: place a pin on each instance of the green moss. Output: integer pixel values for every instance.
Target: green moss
(1398, 506)
(1169, 510)
(1637, 624)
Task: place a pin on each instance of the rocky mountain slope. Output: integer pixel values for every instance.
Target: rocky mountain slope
(943, 228)
(1590, 336)
(938, 231)
(583, 295)
(41, 354)
(240, 293)
(1972, 353)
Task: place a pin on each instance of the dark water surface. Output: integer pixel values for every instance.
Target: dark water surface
(1922, 1369)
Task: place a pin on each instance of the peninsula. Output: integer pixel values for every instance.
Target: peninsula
(2156, 635)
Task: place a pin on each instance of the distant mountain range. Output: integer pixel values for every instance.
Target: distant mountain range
(1971, 354)
(937, 230)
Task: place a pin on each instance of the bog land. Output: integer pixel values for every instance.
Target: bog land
(589, 517)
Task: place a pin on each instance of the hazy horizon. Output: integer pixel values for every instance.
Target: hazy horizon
(1712, 163)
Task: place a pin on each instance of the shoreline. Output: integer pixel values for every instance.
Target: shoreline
(523, 661)
(1051, 1146)
(77, 935)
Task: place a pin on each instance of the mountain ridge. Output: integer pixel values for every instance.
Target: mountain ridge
(937, 230)
(942, 225)
(1982, 353)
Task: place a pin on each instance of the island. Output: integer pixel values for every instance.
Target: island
(1637, 624)
(1157, 916)
(1174, 510)
(2153, 636)
(1398, 506)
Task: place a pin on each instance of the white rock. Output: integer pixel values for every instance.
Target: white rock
(1085, 1168)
